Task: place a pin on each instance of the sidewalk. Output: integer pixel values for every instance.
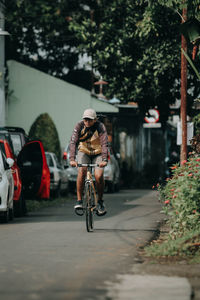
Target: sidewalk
(151, 287)
(156, 280)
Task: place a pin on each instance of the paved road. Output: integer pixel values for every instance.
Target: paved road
(49, 255)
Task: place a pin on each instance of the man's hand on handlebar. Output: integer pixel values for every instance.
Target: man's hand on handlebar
(103, 164)
(73, 163)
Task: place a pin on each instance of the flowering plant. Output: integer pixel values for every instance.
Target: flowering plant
(181, 197)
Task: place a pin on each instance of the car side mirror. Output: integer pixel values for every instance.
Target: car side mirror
(10, 162)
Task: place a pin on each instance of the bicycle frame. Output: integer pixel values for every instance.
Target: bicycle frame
(89, 180)
(90, 192)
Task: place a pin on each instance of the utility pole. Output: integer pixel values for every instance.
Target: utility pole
(183, 154)
(3, 33)
(92, 75)
(2, 59)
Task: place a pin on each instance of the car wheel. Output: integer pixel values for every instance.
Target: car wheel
(106, 189)
(24, 208)
(11, 214)
(18, 207)
(117, 187)
(4, 217)
(58, 191)
(72, 187)
(111, 187)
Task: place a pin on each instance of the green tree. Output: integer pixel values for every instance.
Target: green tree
(40, 35)
(135, 45)
(44, 129)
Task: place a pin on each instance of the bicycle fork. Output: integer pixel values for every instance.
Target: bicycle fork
(90, 182)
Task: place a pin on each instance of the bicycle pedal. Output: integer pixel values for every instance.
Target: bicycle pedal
(79, 211)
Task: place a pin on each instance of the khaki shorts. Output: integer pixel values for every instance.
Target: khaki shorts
(83, 158)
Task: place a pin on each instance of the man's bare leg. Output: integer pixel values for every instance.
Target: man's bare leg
(80, 182)
(99, 183)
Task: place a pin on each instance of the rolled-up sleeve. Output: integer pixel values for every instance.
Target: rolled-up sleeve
(103, 136)
(73, 142)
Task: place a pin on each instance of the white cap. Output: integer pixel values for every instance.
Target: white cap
(89, 114)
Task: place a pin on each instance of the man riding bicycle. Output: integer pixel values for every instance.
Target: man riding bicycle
(91, 138)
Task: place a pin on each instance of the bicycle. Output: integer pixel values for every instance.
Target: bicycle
(89, 197)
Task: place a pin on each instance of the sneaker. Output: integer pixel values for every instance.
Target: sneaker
(101, 210)
(78, 207)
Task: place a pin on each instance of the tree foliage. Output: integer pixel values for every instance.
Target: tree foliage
(44, 129)
(40, 35)
(136, 47)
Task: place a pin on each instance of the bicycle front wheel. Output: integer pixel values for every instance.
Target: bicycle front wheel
(88, 209)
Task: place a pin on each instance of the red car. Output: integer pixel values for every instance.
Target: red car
(31, 160)
(34, 170)
(18, 200)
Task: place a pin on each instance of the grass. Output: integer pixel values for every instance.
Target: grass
(35, 205)
(186, 247)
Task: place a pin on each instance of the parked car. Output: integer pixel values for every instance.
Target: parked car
(16, 137)
(35, 173)
(31, 159)
(111, 172)
(18, 199)
(6, 188)
(59, 182)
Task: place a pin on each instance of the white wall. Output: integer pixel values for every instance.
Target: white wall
(32, 93)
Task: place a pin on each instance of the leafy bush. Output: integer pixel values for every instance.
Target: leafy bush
(44, 129)
(181, 197)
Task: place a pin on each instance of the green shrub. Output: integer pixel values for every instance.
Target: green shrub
(181, 197)
(44, 129)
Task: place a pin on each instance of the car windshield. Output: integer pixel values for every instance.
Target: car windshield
(49, 160)
(17, 143)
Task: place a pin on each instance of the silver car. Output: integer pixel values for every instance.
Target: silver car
(59, 182)
(111, 172)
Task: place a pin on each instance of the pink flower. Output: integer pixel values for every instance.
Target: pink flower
(190, 175)
(174, 167)
(183, 162)
(167, 201)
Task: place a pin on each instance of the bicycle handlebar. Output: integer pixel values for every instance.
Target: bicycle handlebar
(88, 165)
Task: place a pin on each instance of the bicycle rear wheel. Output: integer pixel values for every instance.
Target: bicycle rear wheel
(88, 208)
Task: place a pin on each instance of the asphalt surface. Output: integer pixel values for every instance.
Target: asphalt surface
(50, 255)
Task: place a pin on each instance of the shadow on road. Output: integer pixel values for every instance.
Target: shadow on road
(116, 204)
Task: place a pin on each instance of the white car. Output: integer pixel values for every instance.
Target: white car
(59, 182)
(6, 188)
(111, 172)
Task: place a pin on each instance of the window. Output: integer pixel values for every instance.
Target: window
(17, 143)
(49, 160)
